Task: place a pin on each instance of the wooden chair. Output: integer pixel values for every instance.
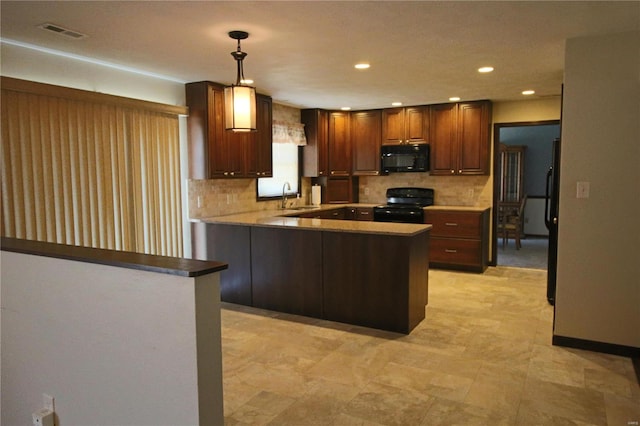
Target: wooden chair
(511, 221)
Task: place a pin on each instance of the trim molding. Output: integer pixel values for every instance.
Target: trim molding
(590, 345)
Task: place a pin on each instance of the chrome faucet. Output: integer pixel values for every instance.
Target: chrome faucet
(286, 186)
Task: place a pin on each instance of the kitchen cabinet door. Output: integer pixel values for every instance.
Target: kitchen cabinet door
(264, 137)
(341, 190)
(443, 139)
(459, 138)
(416, 124)
(365, 139)
(339, 144)
(237, 144)
(473, 138)
(393, 126)
(205, 125)
(405, 125)
(316, 152)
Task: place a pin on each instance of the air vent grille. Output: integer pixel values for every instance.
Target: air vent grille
(62, 31)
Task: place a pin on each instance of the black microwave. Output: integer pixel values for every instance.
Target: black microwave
(404, 158)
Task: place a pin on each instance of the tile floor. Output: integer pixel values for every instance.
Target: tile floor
(482, 356)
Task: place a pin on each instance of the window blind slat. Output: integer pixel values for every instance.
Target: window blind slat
(90, 174)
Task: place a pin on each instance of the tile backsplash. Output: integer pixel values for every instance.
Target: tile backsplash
(218, 197)
(473, 191)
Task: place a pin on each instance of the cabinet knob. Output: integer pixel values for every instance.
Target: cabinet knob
(232, 173)
(459, 171)
(332, 172)
(321, 173)
(453, 171)
(226, 173)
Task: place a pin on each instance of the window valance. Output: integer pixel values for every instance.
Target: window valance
(288, 132)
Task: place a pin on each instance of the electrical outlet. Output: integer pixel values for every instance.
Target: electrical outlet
(48, 402)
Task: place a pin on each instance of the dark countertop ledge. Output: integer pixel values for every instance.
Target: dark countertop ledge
(122, 259)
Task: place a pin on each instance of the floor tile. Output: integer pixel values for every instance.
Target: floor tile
(482, 356)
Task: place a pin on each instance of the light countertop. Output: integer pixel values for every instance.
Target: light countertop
(284, 219)
(457, 208)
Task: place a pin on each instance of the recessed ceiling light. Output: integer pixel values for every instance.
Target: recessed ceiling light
(485, 69)
(396, 103)
(454, 99)
(345, 108)
(528, 92)
(362, 66)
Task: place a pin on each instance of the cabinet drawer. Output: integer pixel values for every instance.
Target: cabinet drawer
(364, 213)
(455, 252)
(454, 224)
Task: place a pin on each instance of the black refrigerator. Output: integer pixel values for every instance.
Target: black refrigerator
(552, 198)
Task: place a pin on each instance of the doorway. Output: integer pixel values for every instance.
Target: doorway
(534, 143)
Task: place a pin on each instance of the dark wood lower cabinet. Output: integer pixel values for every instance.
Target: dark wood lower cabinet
(459, 238)
(377, 281)
(286, 265)
(233, 243)
(372, 280)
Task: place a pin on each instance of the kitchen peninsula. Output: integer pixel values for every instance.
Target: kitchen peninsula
(364, 273)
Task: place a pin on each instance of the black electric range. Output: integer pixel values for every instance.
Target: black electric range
(404, 205)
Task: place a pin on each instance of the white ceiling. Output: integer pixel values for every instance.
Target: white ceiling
(302, 53)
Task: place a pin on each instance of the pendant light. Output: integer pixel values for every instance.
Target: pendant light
(239, 98)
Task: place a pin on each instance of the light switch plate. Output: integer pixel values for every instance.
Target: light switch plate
(582, 190)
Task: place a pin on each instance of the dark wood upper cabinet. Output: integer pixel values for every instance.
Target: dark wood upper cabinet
(260, 149)
(474, 131)
(459, 138)
(443, 139)
(365, 139)
(316, 152)
(405, 125)
(339, 143)
(218, 153)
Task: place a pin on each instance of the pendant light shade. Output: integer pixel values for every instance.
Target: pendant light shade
(240, 108)
(239, 98)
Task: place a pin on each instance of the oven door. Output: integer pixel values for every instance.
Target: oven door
(396, 214)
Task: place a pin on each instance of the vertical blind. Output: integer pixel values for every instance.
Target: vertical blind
(92, 173)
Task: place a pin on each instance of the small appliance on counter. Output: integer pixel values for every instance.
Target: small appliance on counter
(404, 205)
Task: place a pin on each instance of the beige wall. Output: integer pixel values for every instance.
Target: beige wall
(598, 287)
(111, 345)
(28, 64)
(529, 110)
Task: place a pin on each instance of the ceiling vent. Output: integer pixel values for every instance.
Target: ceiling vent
(62, 31)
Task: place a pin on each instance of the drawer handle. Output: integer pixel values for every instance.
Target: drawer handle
(450, 251)
(451, 224)
(364, 213)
